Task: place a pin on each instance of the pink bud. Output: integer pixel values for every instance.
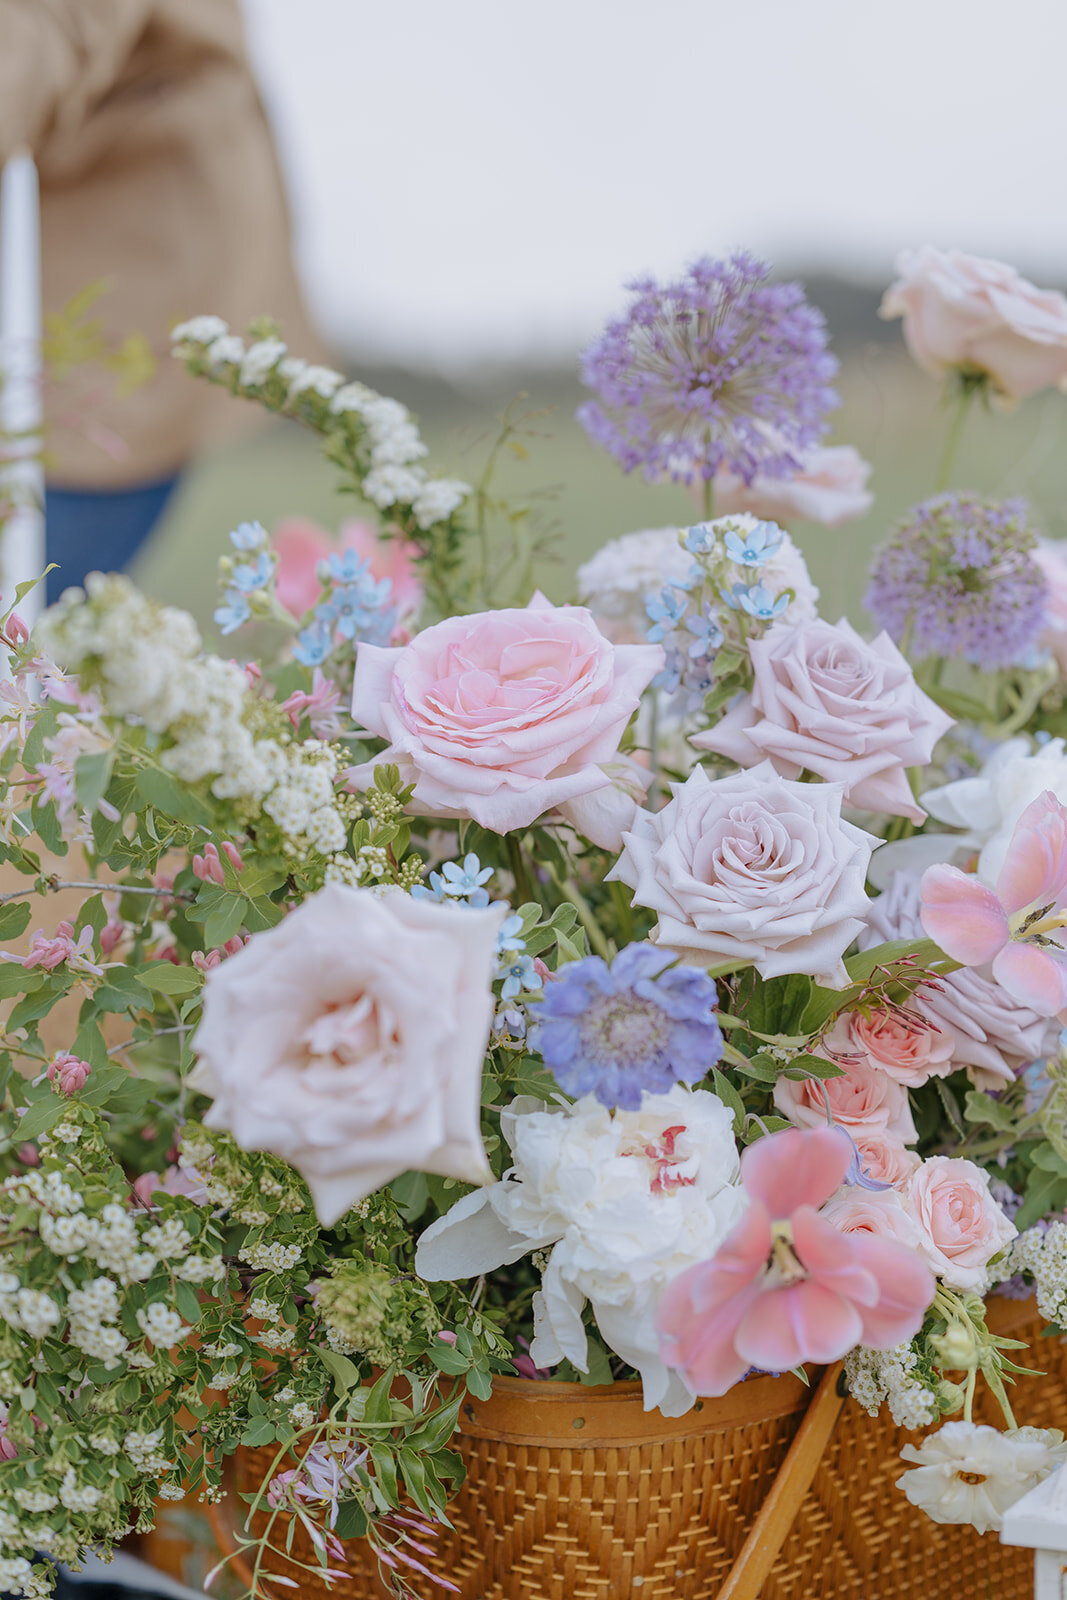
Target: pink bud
(8, 1448)
(543, 972)
(446, 1337)
(17, 631)
(29, 1155)
(68, 1073)
(208, 867)
(233, 855)
(110, 935)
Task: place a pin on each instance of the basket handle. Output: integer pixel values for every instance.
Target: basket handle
(776, 1515)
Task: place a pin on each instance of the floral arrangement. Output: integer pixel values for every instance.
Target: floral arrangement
(467, 984)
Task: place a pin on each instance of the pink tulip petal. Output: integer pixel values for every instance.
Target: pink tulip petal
(1036, 976)
(804, 1322)
(831, 1257)
(905, 1288)
(962, 916)
(701, 1343)
(795, 1167)
(1035, 866)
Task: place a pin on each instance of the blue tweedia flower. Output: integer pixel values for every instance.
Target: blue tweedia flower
(760, 602)
(707, 635)
(720, 368)
(233, 612)
(700, 539)
(753, 546)
(359, 608)
(253, 575)
(462, 885)
(347, 567)
(518, 973)
(510, 936)
(956, 578)
(666, 610)
(249, 536)
(640, 1025)
(313, 645)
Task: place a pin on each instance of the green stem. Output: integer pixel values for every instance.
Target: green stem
(968, 1403)
(587, 918)
(709, 499)
(955, 433)
(523, 887)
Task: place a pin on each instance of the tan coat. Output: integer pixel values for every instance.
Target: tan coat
(158, 174)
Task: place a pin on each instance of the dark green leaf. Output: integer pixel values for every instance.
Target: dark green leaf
(15, 918)
(351, 1520)
(175, 800)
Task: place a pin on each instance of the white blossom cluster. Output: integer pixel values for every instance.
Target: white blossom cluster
(393, 478)
(1041, 1252)
(887, 1376)
(264, 1257)
(301, 799)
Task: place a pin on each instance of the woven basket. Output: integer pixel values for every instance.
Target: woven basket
(576, 1493)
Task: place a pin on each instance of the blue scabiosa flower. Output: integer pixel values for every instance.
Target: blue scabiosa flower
(641, 1024)
(751, 547)
(718, 369)
(957, 578)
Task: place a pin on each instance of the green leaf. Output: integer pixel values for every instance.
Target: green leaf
(187, 1301)
(377, 1407)
(983, 1108)
(16, 980)
(259, 1431)
(92, 774)
(762, 1066)
(411, 1193)
(344, 1374)
(1044, 1193)
(446, 1358)
(813, 1067)
(480, 1383)
(224, 919)
(730, 1097)
(351, 1520)
(40, 1117)
(175, 800)
(165, 978)
(15, 918)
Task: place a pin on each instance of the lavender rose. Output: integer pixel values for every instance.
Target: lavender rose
(350, 1038)
(825, 700)
(751, 869)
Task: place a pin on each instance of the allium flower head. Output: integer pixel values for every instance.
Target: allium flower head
(718, 369)
(640, 1024)
(956, 578)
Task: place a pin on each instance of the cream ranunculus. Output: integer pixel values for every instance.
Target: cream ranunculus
(753, 869)
(350, 1040)
(624, 1202)
(964, 312)
(970, 1473)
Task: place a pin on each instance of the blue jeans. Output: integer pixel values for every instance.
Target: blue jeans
(99, 530)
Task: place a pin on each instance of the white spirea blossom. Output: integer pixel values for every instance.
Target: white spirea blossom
(226, 351)
(323, 381)
(160, 1323)
(438, 499)
(260, 359)
(265, 1257)
(79, 1496)
(263, 1310)
(142, 1447)
(387, 486)
(1042, 1252)
(169, 1239)
(198, 330)
(877, 1377)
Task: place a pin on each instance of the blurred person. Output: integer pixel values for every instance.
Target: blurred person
(159, 179)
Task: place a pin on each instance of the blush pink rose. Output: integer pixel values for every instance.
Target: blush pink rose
(301, 545)
(864, 1097)
(349, 1040)
(751, 870)
(903, 1043)
(880, 1212)
(507, 715)
(1051, 557)
(883, 1158)
(961, 311)
(825, 701)
(960, 1224)
(831, 488)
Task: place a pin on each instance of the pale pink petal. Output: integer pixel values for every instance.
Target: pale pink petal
(962, 916)
(831, 1257)
(905, 1288)
(372, 685)
(795, 1167)
(697, 1321)
(804, 1322)
(1035, 866)
(1036, 976)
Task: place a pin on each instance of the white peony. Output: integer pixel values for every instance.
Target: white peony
(624, 1202)
(969, 1472)
(615, 582)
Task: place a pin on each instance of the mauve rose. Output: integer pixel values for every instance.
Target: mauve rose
(863, 1098)
(960, 1224)
(881, 1212)
(1051, 557)
(506, 715)
(751, 869)
(961, 311)
(882, 1157)
(831, 488)
(825, 701)
(903, 1043)
(350, 1039)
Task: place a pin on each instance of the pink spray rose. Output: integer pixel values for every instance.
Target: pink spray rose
(864, 1097)
(787, 1286)
(68, 1073)
(751, 869)
(826, 701)
(896, 1040)
(301, 545)
(507, 715)
(880, 1212)
(961, 311)
(960, 1224)
(831, 488)
(349, 1040)
(883, 1158)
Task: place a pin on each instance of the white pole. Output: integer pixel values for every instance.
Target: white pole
(22, 544)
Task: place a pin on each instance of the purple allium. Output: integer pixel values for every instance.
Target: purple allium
(956, 578)
(640, 1024)
(719, 369)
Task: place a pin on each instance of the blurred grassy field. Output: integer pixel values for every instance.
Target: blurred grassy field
(890, 411)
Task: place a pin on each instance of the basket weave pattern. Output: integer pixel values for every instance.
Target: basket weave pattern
(578, 1494)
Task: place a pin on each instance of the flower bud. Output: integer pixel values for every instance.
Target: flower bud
(957, 1347)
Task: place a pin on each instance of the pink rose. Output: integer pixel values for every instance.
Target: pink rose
(960, 1224)
(903, 1043)
(826, 701)
(864, 1098)
(831, 488)
(507, 715)
(350, 1039)
(1051, 557)
(882, 1157)
(301, 545)
(961, 311)
(881, 1212)
(751, 869)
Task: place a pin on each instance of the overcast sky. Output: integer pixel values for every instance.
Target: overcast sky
(476, 178)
